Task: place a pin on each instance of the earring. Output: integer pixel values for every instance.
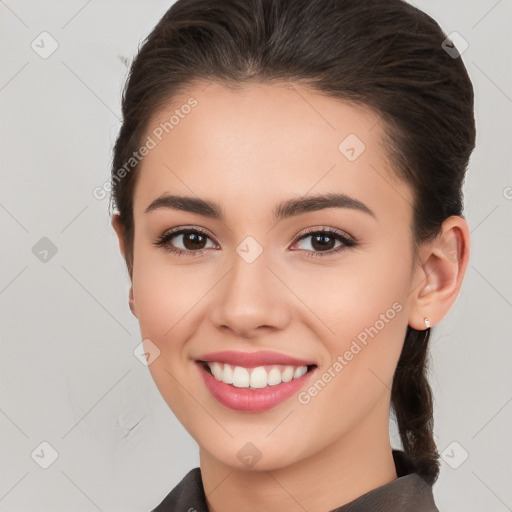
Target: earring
(427, 323)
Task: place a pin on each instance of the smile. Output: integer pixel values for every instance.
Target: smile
(255, 378)
(253, 389)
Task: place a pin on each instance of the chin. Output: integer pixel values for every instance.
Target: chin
(255, 455)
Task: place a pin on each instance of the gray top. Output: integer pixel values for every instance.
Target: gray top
(408, 492)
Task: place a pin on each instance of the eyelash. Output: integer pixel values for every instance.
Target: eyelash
(164, 239)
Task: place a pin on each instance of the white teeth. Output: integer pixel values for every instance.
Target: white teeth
(216, 369)
(227, 374)
(256, 378)
(300, 371)
(287, 375)
(274, 377)
(240, 377)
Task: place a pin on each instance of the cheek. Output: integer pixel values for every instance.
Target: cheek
(166, 296)
(367, 287)
(367, 323)
(368, 307)
(363, 308)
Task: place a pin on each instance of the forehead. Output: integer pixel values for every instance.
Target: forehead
(260, 143)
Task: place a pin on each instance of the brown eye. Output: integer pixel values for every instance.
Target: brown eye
(192, 241)
(323, 242)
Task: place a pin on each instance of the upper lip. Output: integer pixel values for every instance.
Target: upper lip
(253, 359)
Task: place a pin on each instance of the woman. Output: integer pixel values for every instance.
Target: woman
(287, 182)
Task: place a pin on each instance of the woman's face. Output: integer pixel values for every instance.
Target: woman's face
(253, 279)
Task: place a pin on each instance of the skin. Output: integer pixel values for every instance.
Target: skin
(248, 150)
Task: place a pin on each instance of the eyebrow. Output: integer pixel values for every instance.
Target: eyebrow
(283, 210)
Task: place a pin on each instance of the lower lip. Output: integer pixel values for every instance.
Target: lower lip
(249, 399)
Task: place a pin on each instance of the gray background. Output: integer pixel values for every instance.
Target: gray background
(68, 373)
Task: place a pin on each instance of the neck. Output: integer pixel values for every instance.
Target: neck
(357, 462)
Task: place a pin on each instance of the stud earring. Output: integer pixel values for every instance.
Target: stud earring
(427, 323)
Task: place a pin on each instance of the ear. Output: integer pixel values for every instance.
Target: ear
(119, 229)
(439, 278)
(131, 302)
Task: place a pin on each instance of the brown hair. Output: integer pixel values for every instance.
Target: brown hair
(385, 54)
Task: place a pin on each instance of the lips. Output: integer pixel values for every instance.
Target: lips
(257, 395)
(254, 359)
(250, 400)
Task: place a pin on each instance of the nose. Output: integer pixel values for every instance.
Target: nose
(252, 300)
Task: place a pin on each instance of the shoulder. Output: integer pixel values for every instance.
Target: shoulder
(187, 496)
